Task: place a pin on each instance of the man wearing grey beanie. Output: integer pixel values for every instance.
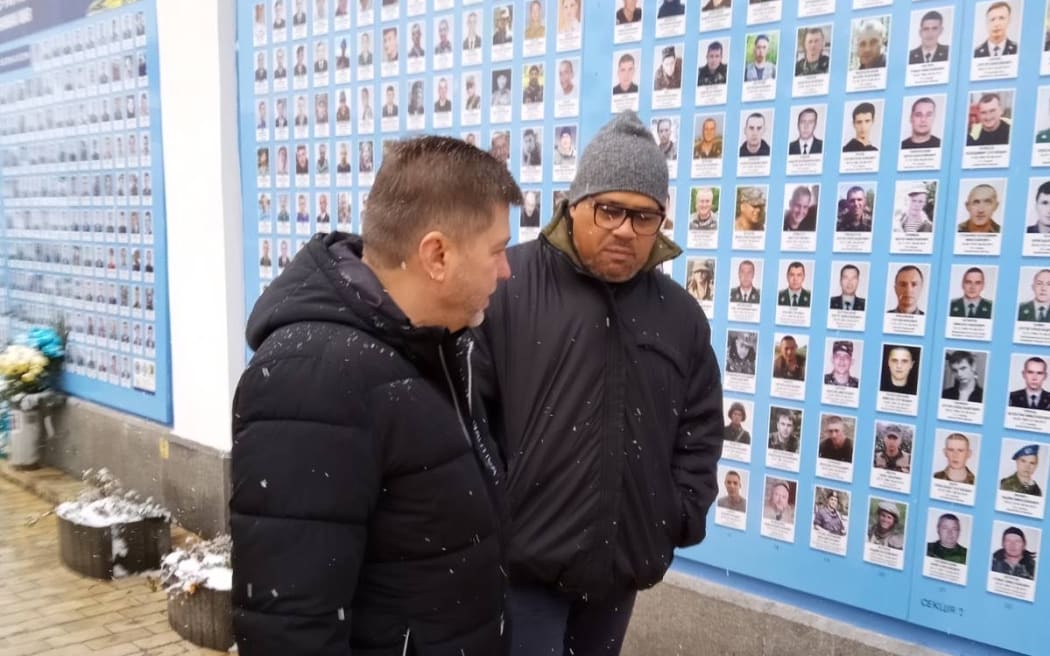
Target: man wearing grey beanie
(605, 398)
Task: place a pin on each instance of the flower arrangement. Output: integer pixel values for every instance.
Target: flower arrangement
(31, 367)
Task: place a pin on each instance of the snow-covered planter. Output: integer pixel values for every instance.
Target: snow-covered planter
(198, 581)
(109, 532)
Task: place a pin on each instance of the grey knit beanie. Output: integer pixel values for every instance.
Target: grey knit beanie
(623, 156)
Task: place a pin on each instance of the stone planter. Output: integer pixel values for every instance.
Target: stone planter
(203, 616)
(24, 438)
(126, 548)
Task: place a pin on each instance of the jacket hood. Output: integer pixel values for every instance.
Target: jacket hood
(559, 233)
(328, 282)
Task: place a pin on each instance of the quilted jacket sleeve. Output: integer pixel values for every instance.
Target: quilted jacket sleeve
(698, 446)
(306, 475)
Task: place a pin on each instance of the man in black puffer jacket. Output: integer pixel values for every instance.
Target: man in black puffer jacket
(611, 403)
(366, 493)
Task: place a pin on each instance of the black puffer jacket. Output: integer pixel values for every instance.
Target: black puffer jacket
(611, 417)
(364, 506)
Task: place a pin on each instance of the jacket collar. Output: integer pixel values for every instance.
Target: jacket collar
(559, 234)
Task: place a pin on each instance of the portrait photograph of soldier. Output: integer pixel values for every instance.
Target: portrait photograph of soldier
(900, 369)
(856, 205)
(831, 510)
(795, 294)
(760, 60)
(947, 534)
(849, 296)
(789, 357)
(780, 497)
(958, 449)
(1023, 479)
(807, 140)
(887, 521)
(734, 488)
(714, 67)
(842, 370)
(740, 352)
(997, 34)
(914, 206)
(785, 429)
(1033, 395)
(668, 73)
(707, 142)
(1034, 295)
(737, 429)
(1014, 550)
(975, 302)
(929, 35)
(813, 50)
(745, 290)
(836, 438)
(751, 209)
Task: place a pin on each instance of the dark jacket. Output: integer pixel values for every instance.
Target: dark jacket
(364, 506)
(612, 417)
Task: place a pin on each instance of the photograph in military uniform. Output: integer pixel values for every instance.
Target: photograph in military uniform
(708, 145)
(749, 223)
(955, 465)
(844, 361)
(831, 508)
(1031, 394)
(988, 129)
(801, 209)
(892, 456)
(887, 532)
(1022, 477)
(712, 73)
(929, 46)
(745, 295)
(784, 442)
(922, 129)
(869, 42)
(778, 512)
(914, 208)
(1014, 548)
(704, 204)
(789, 365)
(700, 280)
(962, 386)
(736, 436)
(835, 449)
(996, 39)
(812, 60)
(667, 76)
(626, 71)
(947, 535)
(756, 142)
(796, 274)
(1037, 221)
(740, 360)
(1033, 306)
(731, 504)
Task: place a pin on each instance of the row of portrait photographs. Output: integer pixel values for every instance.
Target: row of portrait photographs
(100, 261)
(121, 226)
(271, 22)
(323, 113)
(116, 187)
(898, 389)
(113, 368)
(120, 32)
(281, 165)
(839, 445)
(979, 217)
(86, 97)
(917, 148)
(117, 298)
(1011, 556)
(970, 305)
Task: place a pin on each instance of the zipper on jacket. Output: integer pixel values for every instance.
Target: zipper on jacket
(408, 632)
(455, 397)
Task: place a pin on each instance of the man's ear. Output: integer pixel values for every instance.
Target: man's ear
(433, 254)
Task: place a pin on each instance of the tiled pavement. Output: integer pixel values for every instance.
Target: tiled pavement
(46, 609)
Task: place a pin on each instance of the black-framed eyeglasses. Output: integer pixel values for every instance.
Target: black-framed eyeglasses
(610, 217)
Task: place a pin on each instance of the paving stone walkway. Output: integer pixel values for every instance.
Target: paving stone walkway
(47, 610)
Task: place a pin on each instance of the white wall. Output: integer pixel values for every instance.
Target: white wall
(198, 83)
